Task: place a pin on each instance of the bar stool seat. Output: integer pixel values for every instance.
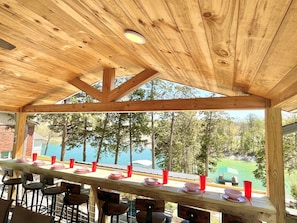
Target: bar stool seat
(30, 185)
(49, 189)
(76, 199)
(112, 206)
(73, 198)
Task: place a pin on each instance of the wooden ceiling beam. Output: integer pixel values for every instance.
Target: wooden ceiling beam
(93, 92)
(132, 84)
(219, 103)
(9, 109)
(108, 83)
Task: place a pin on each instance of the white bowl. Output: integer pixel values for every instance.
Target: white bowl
(151, 181)
(192, 187)
(233, 194)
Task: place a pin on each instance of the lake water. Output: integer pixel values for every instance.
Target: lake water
(244, 168)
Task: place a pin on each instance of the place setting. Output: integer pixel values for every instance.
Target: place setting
(191, 188)
(236, 196)
(116, 175)
(152, 182)
(233, 196)
(195, 187)
(83, 169)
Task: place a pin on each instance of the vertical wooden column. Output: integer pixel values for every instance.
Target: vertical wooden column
(108, 83)
(20, 130)
(275, 161)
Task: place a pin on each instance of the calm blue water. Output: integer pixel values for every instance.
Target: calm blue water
(55, 149)
(245, 169)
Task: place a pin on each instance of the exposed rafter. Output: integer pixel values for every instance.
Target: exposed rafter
(90, 90)
(132, 84)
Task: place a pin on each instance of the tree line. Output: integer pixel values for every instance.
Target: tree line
(187, 142)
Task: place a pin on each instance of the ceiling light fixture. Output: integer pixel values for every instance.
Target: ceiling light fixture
(134, 36)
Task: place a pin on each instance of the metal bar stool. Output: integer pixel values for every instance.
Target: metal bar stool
(30, 185)
(10, 182)
(112, 206)
(49, 190)
(73, 198)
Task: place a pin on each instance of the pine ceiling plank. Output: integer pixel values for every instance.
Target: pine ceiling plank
(173, 48)
(220, 22)
(132, 84)
(40, 59)
(26, 69)
(192, 34)
(259, 20)
(157, 51)
(65, 30)
(281, 57)
(38, 42)
(106, 39)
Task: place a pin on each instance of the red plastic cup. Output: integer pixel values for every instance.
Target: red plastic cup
(247, 185)
(34, 157)
(53, 160)
(94, 166)
(71, 163)
(165, 176)
(202, 182)
(129, 171)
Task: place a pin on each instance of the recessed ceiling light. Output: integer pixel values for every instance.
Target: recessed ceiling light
(134, 36)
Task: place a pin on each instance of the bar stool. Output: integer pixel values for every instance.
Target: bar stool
(10, 182)
(30, 185)
(192, 215)
(112, 206)
(150, 210)
(73, 198)
(49, 190)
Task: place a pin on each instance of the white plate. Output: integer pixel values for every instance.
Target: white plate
(156, 185)
(238, 200)
(82, 170)
(112, 177)
(184, 189)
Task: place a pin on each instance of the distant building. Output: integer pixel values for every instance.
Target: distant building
(33, 141)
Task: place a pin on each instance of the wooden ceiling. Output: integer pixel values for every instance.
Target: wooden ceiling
(231, 47)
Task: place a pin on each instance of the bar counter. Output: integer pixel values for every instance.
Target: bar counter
(261, 208)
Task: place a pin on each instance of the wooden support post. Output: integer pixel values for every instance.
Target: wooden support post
(275, 162)
(108, 83)
(20, 130)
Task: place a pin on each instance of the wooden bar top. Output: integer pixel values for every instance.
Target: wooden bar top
(261, 208)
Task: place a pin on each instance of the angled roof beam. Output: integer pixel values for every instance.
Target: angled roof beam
(132, 84)
(93, 92)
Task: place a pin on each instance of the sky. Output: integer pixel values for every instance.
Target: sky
(242, 114)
